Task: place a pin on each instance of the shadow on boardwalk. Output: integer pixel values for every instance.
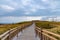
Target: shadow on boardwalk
(27, 34)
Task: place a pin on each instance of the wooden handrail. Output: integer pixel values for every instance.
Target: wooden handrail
(49, 32)
(9, 32)
(6, 34)
(46, 33)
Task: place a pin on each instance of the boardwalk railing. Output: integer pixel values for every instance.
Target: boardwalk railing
(13, 32)
(46, 35)
(7, 35)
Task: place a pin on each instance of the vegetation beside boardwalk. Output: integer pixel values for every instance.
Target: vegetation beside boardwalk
(6, 27)
(50, 26)
(53, 27)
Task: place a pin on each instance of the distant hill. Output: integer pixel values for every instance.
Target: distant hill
(1, 24)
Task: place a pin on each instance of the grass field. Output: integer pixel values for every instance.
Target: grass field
(53, 27)
(6, 27)
(50, 26)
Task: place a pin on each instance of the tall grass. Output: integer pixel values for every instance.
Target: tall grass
(50, 26)
(53, 27)
(6, 27)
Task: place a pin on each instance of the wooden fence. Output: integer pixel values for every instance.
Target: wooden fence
(13, 32)
(46, 35)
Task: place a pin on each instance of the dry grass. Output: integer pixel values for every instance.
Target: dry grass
(55, 26)
(55, 30)
(6, 27)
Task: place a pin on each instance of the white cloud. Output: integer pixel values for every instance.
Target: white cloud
(11, 19)
(55, 10)
(26, 2)
(50, 19)
(12, 3)
(22, 4)
(42, 7)
(53, 5)
(45, 0)
(36, 6)
(27, 13)
(54, 18)
(7, 8)
(34, 18)
(33, 8)
(30, 5)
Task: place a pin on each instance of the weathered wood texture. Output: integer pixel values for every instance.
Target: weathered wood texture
(46, 35)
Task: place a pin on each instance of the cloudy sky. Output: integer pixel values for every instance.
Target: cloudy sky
(22, 10)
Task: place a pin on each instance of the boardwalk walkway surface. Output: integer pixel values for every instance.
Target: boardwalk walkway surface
(27, 34)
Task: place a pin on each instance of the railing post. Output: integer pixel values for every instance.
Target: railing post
(35, 31)
(17, 32)
(41, 35)
(9, 34)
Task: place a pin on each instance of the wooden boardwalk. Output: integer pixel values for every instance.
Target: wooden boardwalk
(27, 34)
